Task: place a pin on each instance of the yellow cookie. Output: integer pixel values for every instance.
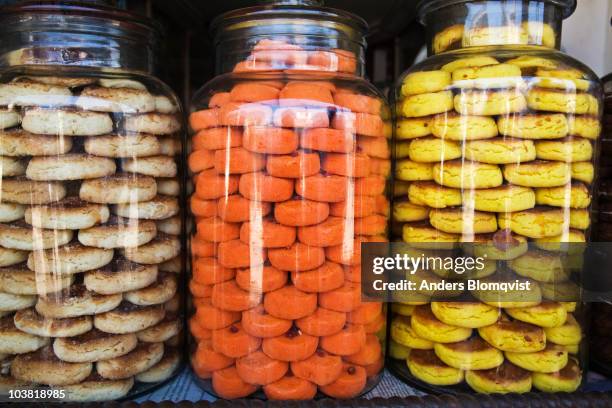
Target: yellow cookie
(402, 333)
(531, 61)
(433, 195)
(552, 358)
(567, 334)
(463, 127)
(469, 62)
(413, 127)
(538, 173)
(568, 379)
(500, 150)
(539, 33)
(405, 211)
(467, 174)
(572, 149)
(426, 325)
(489, 103)
(504, 379)
(426, 366)
(409, 170)
(557, 101)
(402, 150)
(465, 314)
(433, 149)
(538, 222)
(425, 81)
(540, 266)
(447, 38)
(540, 126)
(583, 171)
(492, 35)
(471, 354)
(400, 188)
(507, 198)
(500, 246)
(514, 336)
(567, 242)
(459, 221)
(422, 233)
(568, 79)
(573, 195)
(398, 351)
(585, 126)
(426, 104)
(546, 314)
(488, 77)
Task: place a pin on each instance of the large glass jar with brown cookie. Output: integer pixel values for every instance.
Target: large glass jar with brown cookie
(90, 216)
(290, 162)
(496, 146)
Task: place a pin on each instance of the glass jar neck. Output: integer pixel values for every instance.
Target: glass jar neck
(493, 23)
(59, 37)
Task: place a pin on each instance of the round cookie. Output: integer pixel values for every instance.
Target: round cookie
(69, 259)
(163, 248)
(460, 221)
(121, 83)
(11, 167)
(10, 212)
(539, 33)
(162, 331)
(158, 208)
(154, 166)
(93, 345)
(425, 81)
(403, 333)
(95, 388)
(583, 171)
(142, 358)
(471, 354)
(541, 266)
(120, 276)
(526, 62)
(153, 123)
(477, 35)
(538, 173)
(20, 190)
(19, 280)
(158, 292)
(433, 195)
(24, 92)
(426, 325)
(19, 235)
(493, 293)
(503, 245)
(476, 61)
(489, 103)
(59, 81)
(66, 122)
(453, 126)
(561, 79)
(534, 126)
(9, 118)
(128, 318)
(567, 334)
(174, 265)
(580, 219)
(164, 104)
(405, 211)
(411, 128)
(122, 100)
(9, 257)
(18, 143)
(43, 367)
(120, 188)
(500, 150)
(73, 166)
(170, 146)
(123, 146)
(171, 226)
(427, 367)
(504, 379)
(488, 77)
(433, 149)
(588, 127)
(506, 198)
(553, 358)
(465, 314)
(553, 100)
(568, 242)
(574, 195)
(572, 149)
(168, 186)
(10, 302)
(70, 213)
(15, 341)
(538, 222)
(517, 337)
(448, 38)
(426, 104)
(164, 369)
(546, 314)
(29, 321)
(409, 170)
(568, 379)
(467, 174)
(75, 301)
(119, 232)
(428, 237)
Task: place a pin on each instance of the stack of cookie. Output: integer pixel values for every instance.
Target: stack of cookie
(290, 178)
(90, 249)
(499, 153)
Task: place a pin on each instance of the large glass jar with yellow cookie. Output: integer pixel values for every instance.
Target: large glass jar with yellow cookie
(496, 146)
(290, 162)
(90, 205)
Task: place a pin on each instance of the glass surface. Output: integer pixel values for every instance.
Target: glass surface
(497, 142)
(91, 223)
(290, 173)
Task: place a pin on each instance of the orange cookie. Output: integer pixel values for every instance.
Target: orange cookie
(290, 303)
(328, 276)
(298, 257)
(350, 165)
(300, 212)
(234, 342)
(326, 188)
(327, 140)
(262, 187)
(322, 322)
(291, 346)
(258, 323)
(298, 164)
(270, 140)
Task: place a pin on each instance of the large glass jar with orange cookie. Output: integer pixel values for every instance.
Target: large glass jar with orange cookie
(496, 145)
(90, 214)
(290, 162)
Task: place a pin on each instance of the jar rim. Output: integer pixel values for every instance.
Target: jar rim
(424, 7)
(129, 21)
(236, 18)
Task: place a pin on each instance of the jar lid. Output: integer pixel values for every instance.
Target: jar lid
(425, 7)
(293, 17)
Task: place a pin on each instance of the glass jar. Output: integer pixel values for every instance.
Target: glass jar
(289, 162)
(91, 227)
(497, 139)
